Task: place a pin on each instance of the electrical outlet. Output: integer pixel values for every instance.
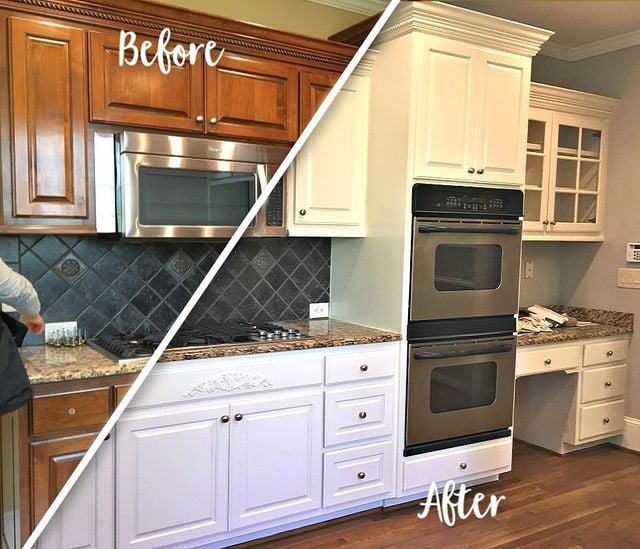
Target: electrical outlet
(629, 278)
(528, 269)
(319, 310)
(55, 329)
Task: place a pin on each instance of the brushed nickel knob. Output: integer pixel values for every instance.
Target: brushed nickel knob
(213, 120)
(362, 415)
(364, 368)
(463, 466)
(545, 222)
(605, 420)
(199, 118)
(224, 419)
(607, 384)
(471, 170)
(553, 222)
(72, 411)
(303, 212)
(481, 171)
(238, 417)
(609, 353)
(361, 475)
(547, 361)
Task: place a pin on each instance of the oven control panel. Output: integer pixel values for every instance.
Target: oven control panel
(457, 200)
(471, 203)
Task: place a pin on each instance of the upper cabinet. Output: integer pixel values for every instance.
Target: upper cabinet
(566, 164)
(470, 122)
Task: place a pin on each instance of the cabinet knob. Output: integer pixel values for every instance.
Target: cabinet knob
(545, 222)
(213, 120)
(199, 118)
(72, 411)
(552, 222)
(547, 361)
(463, 466)
(609, 353)
(605, 420)
(607, 384)
(362, 415)
(481, 171)
(238, 417)
(471, 170)
(364, 368)
(224, 419)
(361, 475)
(303, 212)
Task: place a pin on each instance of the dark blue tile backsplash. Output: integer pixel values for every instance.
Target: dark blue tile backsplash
(136, 287)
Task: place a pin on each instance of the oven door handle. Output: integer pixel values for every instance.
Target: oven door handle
(466, 351)
(483, 229)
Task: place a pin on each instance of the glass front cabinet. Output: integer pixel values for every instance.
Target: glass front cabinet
(566, 164)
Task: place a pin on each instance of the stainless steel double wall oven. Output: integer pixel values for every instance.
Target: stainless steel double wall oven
(464, 298)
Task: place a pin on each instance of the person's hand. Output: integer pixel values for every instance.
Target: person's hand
(34, 323)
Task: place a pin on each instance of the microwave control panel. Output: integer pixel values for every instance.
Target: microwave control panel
(275, 214)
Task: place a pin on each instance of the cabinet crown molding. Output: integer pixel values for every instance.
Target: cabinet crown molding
(543, 96)
(453, 22)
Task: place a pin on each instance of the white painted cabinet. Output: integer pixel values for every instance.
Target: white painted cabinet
(471, 113)
(329, 190)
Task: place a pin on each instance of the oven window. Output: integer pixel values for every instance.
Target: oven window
(172, 196)
(468, 267)
(462, 387)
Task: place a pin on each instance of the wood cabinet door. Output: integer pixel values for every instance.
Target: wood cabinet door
(445, 111)
(143, 96)
(314, 87)
(86, 518)
(276, 458)
(502, 91)
(49, 110)
(252, 98)
(172, 477)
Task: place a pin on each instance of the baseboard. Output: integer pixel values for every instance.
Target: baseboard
(631, 434)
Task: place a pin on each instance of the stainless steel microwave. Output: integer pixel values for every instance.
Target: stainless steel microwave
(186, 187)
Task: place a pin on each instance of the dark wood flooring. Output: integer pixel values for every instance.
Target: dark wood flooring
(590, 499)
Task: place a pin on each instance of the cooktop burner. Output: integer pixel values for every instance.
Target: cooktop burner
(207, 333)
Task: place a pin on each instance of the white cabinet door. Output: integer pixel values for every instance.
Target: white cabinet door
(86, 517)
(331, 170)
(502, 93)
(276, 458)
(446, 111)
(172, 478)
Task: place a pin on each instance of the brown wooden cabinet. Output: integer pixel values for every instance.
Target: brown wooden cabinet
(48, 114)
(314, 87)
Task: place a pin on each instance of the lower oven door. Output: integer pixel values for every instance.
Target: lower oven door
(460, 389)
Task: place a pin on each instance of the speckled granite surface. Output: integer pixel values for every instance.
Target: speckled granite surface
(607, 323)
(50, 364)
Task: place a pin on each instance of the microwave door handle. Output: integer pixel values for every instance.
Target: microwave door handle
(467, 351)
(426, 229)
(262, 179)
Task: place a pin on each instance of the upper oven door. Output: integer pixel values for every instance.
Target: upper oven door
(177, 197)
(464, 269)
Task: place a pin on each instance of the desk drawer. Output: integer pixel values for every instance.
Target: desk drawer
(608, 351)
(603, 383)
(70, 411)
(547, 360)
(601, 419)
(360, 366)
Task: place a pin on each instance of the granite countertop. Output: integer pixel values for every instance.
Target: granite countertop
(606, 323)
(53, 364)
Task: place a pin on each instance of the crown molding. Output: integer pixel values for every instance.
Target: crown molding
(544, 96)
(363, 7)
(599, 47)
(449, 21)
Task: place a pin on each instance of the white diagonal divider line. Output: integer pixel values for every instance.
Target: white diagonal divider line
(233, 241)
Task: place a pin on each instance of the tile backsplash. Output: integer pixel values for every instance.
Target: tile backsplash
(133, 287)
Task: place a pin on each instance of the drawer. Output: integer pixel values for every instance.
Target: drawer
(360, 366)
(603, 383)
(472, 461)
(608, 351)
(601, 419)
(358, 473)
(358, 414)
(70, 411)
(547, 360)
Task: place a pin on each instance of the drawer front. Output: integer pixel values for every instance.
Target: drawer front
(360, 366)
(547, 360)
(603, 383)
(358, 414)
(70, 411)
(358, 473)
(608, 351)
(475, 460)
(601, 419)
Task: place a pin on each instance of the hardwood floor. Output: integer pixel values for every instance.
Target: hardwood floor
(590, 499)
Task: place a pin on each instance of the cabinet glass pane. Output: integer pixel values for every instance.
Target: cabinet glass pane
(590, 143)
(587, 208)
(568, 140)
(535, 137)
(565, 208)
(566, 173)
(589, 172)
(532, 203)
(533, 176)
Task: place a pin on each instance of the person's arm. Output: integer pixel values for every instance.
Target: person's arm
(17, 291)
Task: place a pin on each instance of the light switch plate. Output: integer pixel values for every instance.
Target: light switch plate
(528, 269)
(318, 310)
(629, 278)
(55, 329)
